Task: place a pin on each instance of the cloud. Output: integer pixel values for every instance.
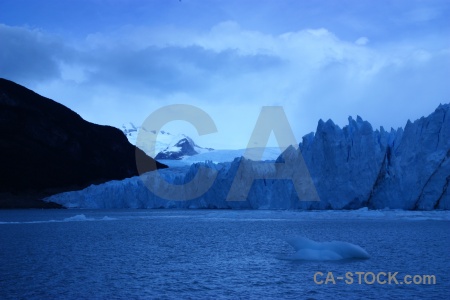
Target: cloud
(231, 72)
(362, 41)
(28, 54)
(173, 68)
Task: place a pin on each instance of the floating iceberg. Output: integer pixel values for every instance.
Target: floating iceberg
(307, 249)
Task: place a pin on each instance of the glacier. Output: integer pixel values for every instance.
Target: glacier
(166, 144)
(350, 167)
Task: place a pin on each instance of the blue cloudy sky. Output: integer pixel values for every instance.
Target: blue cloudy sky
(116, 61)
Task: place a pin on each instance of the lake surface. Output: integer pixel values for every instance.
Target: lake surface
(216, 254)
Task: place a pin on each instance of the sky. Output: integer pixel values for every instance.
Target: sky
(117, 61)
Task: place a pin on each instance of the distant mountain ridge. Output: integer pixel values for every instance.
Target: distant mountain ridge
(166, 146)
(181, 149)
(151, 141)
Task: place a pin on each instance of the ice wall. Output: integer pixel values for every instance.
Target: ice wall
(350, 168)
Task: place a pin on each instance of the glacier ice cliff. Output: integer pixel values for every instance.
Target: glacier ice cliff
(415, 173)
(350, 167)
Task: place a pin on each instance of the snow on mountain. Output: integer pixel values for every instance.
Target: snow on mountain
(350, 167)
(164, 145)
(130, 132)
(183, 148)
(180, 150)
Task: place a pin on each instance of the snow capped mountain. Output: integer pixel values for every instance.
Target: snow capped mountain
(189, 153)
(350, 167)
(181, 149)
(148, 139)
(164, 146)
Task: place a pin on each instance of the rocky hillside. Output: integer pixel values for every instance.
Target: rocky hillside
(47, 148)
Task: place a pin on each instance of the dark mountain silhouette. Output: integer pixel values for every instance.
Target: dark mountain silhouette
(47, 148)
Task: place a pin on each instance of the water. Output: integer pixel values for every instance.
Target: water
(211, 254)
